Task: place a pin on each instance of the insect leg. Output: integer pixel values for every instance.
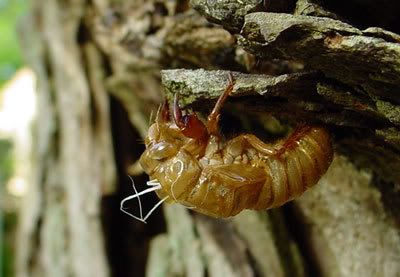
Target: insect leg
(256, 143)
(297, 134)
(178, 113)
(269, 150)
(189, 124)
(165, 111)
(213, 118)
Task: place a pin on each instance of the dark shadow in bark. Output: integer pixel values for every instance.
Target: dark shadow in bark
(127, 240)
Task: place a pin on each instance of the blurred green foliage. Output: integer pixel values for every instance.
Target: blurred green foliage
(9, 226)
(7, 219)
(10, 62)
(10, 56)
(6, 160)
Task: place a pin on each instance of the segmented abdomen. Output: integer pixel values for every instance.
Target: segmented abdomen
(305, 157)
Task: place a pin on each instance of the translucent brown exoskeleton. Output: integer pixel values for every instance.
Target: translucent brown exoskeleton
(191, 164)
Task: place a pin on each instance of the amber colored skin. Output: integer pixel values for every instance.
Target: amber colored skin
(197, 168)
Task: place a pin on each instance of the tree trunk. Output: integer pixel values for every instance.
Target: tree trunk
(104, 66)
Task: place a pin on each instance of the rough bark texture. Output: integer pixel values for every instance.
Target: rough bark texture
(60, 231)
(294, 62)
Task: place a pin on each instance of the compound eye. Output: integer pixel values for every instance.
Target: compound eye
(161, 150)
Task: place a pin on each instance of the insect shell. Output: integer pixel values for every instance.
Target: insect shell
(197, 168)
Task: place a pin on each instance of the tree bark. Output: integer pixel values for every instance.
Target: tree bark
(104, 66)
(60, 231)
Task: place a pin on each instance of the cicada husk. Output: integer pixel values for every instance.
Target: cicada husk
(197, 168)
